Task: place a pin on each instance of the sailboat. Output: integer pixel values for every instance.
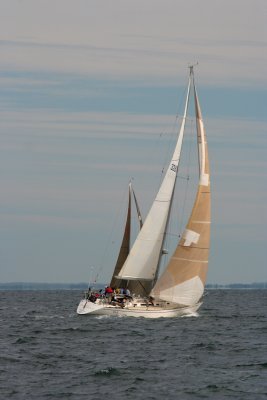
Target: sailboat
(179, 289)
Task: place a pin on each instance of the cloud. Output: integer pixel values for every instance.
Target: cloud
(58, 155)
(123, 43)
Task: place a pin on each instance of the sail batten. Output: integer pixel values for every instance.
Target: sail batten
(190, 260)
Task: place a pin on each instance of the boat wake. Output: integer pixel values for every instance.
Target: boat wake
(103, 316)
(190, 315)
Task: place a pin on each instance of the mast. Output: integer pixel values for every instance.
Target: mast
(184, 278)
(143, 260)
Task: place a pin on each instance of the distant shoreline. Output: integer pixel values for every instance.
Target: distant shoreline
(84, 286)
(45, 286)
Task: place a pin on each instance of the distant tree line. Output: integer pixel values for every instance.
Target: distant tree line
(255, 285)
(84, 286)
(42, 286)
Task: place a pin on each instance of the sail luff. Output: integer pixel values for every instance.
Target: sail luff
(184, 278)
(203, 152)
(143, 260)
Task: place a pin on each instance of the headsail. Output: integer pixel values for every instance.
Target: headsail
(184, 278)
(125, 244)
(143, 260)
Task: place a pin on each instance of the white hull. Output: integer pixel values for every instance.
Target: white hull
(86, 307)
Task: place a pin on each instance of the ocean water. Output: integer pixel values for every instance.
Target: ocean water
(49, 352)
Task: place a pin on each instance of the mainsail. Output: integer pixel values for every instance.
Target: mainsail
(143, 260)
(183, 280)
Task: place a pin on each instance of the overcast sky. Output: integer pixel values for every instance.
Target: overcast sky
(86, 89)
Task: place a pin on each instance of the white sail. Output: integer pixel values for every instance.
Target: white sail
(143, 259)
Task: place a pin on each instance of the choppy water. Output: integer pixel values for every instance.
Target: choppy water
(49, 352)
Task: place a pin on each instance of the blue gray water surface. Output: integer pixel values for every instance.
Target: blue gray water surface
(49, 352)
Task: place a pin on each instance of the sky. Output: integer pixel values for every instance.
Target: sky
(88, 89)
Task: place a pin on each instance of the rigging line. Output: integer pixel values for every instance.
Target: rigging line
(162, 156)
(174, 131)
(181, 223)
(173, 234)
(139, 215)
(178, 217)
(140, 283)
(183, 177)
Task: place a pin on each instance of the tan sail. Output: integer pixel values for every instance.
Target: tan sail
(184, 278)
